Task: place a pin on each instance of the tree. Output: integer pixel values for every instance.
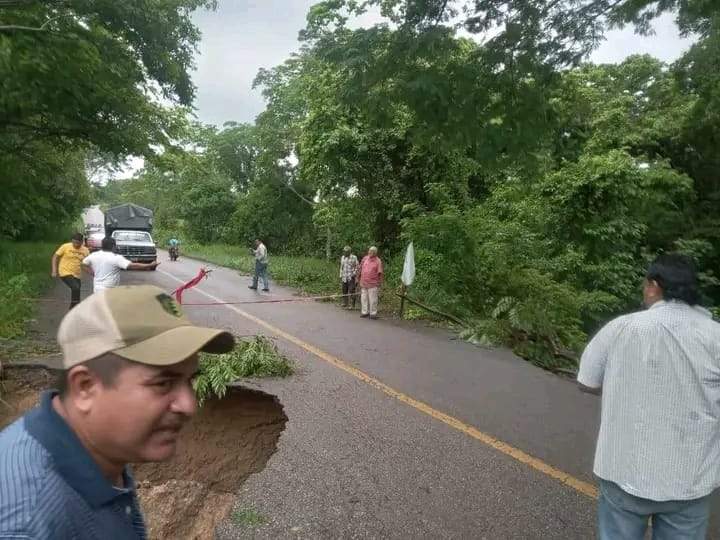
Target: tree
(119, 59)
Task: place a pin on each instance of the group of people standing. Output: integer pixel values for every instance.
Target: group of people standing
(124, 395)
(368, 274)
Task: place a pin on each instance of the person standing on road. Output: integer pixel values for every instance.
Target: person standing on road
(370, 279)
(658, 370)
(66, 264)
(123, 396)
(348, 275)
(261, 265)
(105, 266)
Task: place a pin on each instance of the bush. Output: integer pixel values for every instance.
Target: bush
(24, 274)
(258, 357)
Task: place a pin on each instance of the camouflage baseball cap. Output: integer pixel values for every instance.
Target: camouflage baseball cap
(141, 323)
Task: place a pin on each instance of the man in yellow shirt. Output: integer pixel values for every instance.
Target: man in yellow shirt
(66, 263)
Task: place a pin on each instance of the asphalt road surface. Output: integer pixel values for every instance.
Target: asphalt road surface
(397, 430)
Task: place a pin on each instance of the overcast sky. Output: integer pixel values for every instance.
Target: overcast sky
(243, 36)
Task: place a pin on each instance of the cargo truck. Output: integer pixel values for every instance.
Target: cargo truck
(130, 226)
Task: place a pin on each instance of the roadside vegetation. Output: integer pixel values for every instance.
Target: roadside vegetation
(310, 274)
(24, 274)
(536, 187)
(252, 357)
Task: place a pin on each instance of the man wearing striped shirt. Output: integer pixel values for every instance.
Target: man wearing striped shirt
(658, 450)
(123, 397)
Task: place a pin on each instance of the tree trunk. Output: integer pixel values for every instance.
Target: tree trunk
(328, 246)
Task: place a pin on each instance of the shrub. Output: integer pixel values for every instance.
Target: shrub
(257, 357)
(24, 273)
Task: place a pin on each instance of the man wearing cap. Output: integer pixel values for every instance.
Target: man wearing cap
(123, 396)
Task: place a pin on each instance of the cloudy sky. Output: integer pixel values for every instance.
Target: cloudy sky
(243, 36)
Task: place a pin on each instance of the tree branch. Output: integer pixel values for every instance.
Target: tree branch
(20, 28)
(311, 203)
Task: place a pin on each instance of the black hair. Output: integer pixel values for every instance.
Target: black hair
(77, 237)
(106, 367)
(108, 244)
(676, 275)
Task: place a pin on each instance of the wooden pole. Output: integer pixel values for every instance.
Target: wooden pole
(403, 291)
(432, 310)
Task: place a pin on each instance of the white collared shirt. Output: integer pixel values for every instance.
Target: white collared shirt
(660, 375)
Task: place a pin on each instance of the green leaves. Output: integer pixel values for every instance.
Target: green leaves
(257, 357)
(83, 78)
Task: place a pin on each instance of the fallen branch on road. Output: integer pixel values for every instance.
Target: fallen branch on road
(433, 310)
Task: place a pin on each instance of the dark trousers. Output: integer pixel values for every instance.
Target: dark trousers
(74, 284)
(348, 287)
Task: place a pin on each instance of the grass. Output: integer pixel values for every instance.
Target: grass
(309, 274)
(256, 357)
(24, 275)
(248, 517)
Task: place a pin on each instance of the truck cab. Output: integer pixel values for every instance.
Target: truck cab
(137, 246)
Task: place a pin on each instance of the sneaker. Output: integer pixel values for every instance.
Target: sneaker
(374, 317)
(251, 287)
(266, 290)
(364, 315)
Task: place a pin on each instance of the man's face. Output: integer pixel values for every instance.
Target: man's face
(77, 244)
(138, 419)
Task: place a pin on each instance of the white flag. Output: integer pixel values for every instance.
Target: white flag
(408, 274)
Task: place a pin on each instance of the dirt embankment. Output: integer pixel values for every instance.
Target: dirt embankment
(186, 497)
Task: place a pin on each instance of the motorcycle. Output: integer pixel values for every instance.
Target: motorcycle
(174, 253)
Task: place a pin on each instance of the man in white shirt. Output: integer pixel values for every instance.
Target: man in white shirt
(261, 264)
(658, 451)
(105, 266)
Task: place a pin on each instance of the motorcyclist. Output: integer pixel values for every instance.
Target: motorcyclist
(174, 250)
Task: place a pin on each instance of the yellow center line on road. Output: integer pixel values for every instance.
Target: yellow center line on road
(548, 470)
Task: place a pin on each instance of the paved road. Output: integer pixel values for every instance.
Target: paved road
(361, 461)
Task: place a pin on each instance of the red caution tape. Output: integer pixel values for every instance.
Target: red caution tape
(190, 284)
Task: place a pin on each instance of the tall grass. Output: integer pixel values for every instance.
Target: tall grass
(309, 274)
(24, 274)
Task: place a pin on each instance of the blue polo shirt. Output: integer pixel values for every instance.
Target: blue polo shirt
(50, 487)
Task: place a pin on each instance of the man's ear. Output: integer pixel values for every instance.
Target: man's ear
(655, 288)
(83, 386)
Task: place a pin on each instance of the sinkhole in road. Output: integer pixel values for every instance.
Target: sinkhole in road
(221, 446)
(226, 441)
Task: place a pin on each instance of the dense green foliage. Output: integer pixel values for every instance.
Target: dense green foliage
(536, 187)
(81, 83)
(24, 273)
(257, 357)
